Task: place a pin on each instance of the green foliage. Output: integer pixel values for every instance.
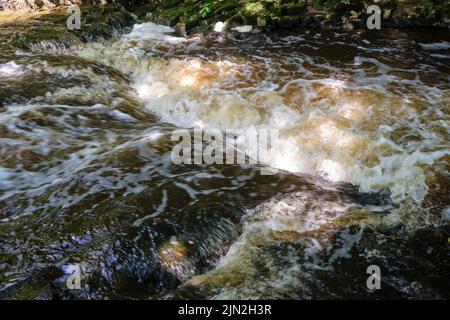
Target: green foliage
(317, 3)
(205, 10)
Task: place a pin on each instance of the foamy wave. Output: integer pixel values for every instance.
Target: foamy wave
(342, 130)
(436, 46)
(11, 69)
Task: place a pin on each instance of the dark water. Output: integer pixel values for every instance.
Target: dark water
(86, 176)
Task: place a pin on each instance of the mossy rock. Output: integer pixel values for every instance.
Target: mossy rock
(255, 8)
(251, 12)
(337, 8)
(285, 22)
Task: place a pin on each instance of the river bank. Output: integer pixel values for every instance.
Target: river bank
(203, 16)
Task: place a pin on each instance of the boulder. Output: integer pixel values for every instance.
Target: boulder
(180, 29)
(261, 22)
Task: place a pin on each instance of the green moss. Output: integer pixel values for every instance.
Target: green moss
(255, 8)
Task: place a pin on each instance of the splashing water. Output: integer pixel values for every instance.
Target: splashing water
(86, 176)
(362, 129)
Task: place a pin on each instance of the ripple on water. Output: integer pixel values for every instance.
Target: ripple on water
(86, 176)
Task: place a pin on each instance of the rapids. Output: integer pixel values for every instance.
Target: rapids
(86, 176)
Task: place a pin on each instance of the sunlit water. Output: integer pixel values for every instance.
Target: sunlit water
(86, 176)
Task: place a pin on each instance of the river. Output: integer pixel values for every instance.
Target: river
(86, 177)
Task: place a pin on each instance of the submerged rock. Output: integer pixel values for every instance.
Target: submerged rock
(331, 264)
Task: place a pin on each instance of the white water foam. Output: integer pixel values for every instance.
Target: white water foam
(343, 130)
(11, 69)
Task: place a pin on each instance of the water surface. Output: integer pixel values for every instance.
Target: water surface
(86, 176)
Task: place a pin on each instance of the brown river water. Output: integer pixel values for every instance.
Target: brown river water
(86, 176)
